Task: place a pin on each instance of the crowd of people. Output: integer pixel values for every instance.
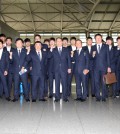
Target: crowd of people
(39, 64)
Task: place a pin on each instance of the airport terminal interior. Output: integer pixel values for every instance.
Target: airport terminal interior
(60, 18)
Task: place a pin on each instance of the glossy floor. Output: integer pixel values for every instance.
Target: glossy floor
(71, 117)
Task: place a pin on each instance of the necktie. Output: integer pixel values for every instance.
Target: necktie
(39, 56)
(19, 53)
(60, 51)
(78, 52)
(98, 48)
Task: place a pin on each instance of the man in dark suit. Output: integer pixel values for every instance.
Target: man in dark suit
(18, 59)
(9, 48)
(90, 75)
(62, 67)
(112, 53)
(81, 58)
(50, 68)
(117, 56)
(100, 55)
(4, 65)
(65, 41)
(38, 57)
(71, 50)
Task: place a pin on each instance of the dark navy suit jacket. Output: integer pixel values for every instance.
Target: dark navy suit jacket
(63, 61)
(102, 59)
(4, 61)
(81, 61)
(38, 66)
(18, 61)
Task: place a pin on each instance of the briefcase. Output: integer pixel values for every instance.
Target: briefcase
(110, 78)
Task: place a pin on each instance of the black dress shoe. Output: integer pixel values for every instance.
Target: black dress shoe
(8, 99)
(82, 100)
(66, 100)
(87, 95)
(42, 100)
(56, 100)
(78, 99)
(50, 96)
(98, 100)
(27, 100)
(93, 95)
(104, 100)
(33, 100)
(14, 100)
(0, 97)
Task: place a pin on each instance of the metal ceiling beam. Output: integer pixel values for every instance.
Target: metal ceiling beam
(116, 16)
(92, 10)
(31, 16)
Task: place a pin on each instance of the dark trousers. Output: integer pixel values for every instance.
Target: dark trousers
(38, 87)
(50, 81)
(70, 77)
(90, 78)
(100, 82)
(4, 87)
(81, 83)
(24, 79)
(60, 76)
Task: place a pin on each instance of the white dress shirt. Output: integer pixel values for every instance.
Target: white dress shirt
(89, 49)
(8, 48)
(73, 48)
(1, 51)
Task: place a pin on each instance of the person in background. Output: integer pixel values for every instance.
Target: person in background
(50, 68)
(65, 42)
(112, 53)
(3, 38)
(117, 53)
(101, 59)
(62, 67)
(81, 58)
(71, 50)
(10, 77)
(4, 66)
(47, 42)
(90, 76)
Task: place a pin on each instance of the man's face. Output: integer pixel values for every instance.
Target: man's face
(65, 43)
(98, 40)
(27, 44)
(1, 45)
(37, 38)
(52, 43)
(59, 42)
(118, 42)
(3, 39)
(72, 42)
(78, 44)
(89, 42)
(8, 42)
(47, 42)
(38, 46)
(19, 44)
(108, 42)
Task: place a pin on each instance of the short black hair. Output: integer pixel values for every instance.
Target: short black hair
(27, 40)
(98, 35)
(109, 38)
(79, 40)
(65, 38)
(58, 38)
(37, 35)
(46, 40)
(19, 39)
(89, 38)
(9, 38)
(1, 41)
(118, 38)
(2, 35)
(72, 38)
(38, 42)
(52, 38)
